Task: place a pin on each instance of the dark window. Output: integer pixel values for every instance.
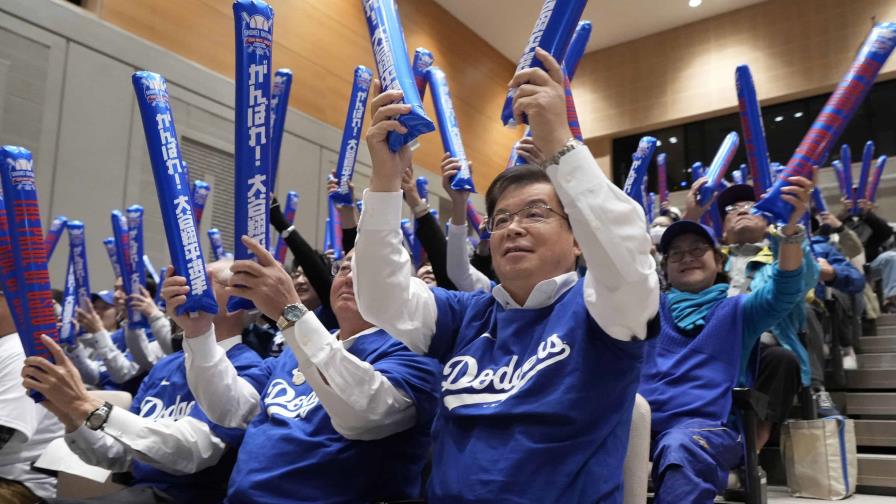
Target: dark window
(785, 124)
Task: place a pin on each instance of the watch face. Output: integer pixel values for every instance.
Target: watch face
(293, 312)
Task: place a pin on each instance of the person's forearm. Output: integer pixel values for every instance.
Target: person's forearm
(184, 446)
(361, 402)
(227, 399)
(386, 294)
(98, 449)
(87, 367)
(433, 241)
(161, 329)
(119, 367)
(610, 229)
(314, 268)
(459, 212)
(144, 353)
(457, 266)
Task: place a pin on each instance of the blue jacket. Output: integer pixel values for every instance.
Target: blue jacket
(849, 279)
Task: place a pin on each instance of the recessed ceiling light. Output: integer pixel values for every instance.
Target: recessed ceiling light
(779, 118)
(659, 142)
(673, 140)
(798, 114)
(694, 3)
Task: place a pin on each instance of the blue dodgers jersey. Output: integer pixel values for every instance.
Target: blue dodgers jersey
(164, 394)
(291, 452)
(536, 403)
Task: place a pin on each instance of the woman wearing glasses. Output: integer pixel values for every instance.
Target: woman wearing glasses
(705, 340)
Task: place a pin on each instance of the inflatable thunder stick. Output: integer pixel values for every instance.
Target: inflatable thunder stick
(28, 251)
(662, 184)
(279, 107)
(553, 31)
(834, 117)
(753, 130)
(867, 158)
(199, 192)
(172, 187)
(217, 245)
(351, 135)
(394, 68)
(253, 26)
(136, 267)
(78, 251)
(871, 195)
(718, 168)
(637, 175)
(289, 212)
(57, 227)
(112, 251)
(449, 130)
(423, 59)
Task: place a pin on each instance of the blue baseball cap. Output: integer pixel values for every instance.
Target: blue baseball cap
(107, 296)
(686, 227)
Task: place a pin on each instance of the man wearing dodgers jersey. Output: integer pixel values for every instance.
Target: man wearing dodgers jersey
(539, 376)
(174, 452)
(337, 417)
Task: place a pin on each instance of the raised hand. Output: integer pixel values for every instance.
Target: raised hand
(174, 292)
(387, 165)
(540, 96)
(265, 282)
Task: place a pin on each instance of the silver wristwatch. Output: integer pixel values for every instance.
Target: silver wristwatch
(292, 313)
(794, 239)
(97, 418)
(568, 147)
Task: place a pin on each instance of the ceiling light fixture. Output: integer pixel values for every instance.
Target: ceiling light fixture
(779, 118)
(798, 114)
(673, 140)
(694, 3)
(659, 142)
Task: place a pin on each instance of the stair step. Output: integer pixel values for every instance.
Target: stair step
(877, 470)
(871, 379)
(886, 319)
(877, 361)
(870, 403)
(876, 433)
(888, 330)
(878, 344)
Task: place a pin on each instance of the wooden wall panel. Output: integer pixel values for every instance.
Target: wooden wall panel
(322, 42)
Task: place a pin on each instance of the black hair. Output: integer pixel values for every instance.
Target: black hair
(522, 175)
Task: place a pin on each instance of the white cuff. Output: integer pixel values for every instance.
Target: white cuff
(121, 424)
(382, 210)
(202, 349)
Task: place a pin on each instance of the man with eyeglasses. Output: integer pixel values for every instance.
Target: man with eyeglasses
(752, 249)
(540, 375)
(337, 417)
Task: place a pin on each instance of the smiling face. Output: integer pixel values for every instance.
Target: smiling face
(425, 273)
(743, 227)
(342, 293)
(525, 254)
(686, 272)
(303, 288)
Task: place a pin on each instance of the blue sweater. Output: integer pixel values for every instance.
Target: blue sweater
(849, 279)
(536, 403)
(164, 394)
(690, 375)
(291, 452)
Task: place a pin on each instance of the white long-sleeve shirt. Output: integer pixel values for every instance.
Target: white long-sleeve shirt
(120, 368)
(461, 273)
(146, 353)
(183, 446)
(621, 289)
(361, 402)
(89, 368)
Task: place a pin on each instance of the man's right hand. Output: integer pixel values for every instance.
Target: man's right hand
(174, 292)
(450, 166)
(693, 211)
(89, 320)
(387, 165)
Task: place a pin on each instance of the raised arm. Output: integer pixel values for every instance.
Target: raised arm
(386, 294)
(317, 272)
(459, 268)
(609, 227)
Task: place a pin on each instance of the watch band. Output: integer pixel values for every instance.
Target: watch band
(98, 417)
(568, 147)
(288, 230)
(419, 209)
(794, 239)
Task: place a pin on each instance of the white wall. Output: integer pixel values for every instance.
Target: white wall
(65, 93)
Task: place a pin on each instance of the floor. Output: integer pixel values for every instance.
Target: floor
(779, 495)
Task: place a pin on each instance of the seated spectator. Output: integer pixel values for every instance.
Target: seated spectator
(875, 233)
(25, 427)
(173, 451)
(783, 361)
(339, 417)
(701, 354)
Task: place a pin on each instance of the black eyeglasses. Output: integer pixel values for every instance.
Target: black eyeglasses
(676, 256)
(529, 216)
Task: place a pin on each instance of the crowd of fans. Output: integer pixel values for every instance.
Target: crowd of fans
(504, 367)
